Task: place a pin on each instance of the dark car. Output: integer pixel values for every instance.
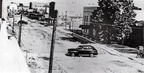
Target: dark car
(82, 50)
(35, 16)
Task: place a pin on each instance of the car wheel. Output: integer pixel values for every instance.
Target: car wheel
(91, 55)
(39, 18)
(72, 54)
(79, 55)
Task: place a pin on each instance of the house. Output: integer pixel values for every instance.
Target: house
(87, 12)
(40, 7)
(12, 8)
(23, 7)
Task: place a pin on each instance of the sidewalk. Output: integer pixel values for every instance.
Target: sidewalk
(12, 59)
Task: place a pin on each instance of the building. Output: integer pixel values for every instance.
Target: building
(87, 12)
(40, 7)
(13, 7)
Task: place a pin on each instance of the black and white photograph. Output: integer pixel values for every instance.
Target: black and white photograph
(72, 36)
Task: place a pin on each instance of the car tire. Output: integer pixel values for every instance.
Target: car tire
(91, 55)
(39, 19)
(79, 55)
(72, 54)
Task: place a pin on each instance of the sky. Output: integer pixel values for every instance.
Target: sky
(140, 14)
(73, 7)
(139, 3)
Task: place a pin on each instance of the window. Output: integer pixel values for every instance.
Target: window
(94, 32)
(84, 20)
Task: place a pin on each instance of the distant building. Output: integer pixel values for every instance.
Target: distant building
(87, 12)
(13, 7)
(40, 7)
(25, 8)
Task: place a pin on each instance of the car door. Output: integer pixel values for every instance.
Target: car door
(84, 50)
(81, 50)
(88, 50)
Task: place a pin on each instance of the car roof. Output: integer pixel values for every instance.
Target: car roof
(85, 45)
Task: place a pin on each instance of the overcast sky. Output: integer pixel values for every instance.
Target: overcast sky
(74, 7)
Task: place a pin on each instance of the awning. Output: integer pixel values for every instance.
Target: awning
(84, 26)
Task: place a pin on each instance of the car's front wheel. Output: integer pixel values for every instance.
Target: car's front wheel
(72, 54)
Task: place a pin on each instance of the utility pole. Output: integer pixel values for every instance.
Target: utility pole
(1, 8)
(65, 19)
(20, 29)
(13, 22)
(71, 23)
(52, 46)
(53, 41)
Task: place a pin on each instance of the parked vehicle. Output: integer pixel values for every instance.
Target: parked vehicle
(83, 50)
(35, 16)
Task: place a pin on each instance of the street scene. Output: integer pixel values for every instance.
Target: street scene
(76, 36)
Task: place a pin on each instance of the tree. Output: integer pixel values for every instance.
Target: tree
(116, 14)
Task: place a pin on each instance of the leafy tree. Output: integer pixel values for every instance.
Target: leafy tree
(113, 18)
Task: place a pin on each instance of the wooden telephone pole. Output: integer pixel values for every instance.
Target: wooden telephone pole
(52, 47)
(53, 41)
(65, 19)
(13, 22)
(1, 8)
